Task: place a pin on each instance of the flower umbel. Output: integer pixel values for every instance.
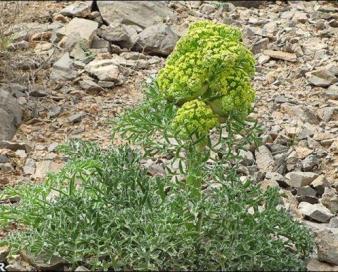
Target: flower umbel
(194, 118)
(210, 64)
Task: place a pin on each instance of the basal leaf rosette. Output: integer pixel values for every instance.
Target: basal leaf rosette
(194, 118)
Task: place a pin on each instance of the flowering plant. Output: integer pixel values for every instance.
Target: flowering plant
(210, 64)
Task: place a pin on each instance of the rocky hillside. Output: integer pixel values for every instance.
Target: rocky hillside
(68, 69)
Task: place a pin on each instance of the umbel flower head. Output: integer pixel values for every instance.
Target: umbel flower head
(211, 64)
(194, 118)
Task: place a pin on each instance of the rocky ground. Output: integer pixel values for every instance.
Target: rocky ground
(69, 70)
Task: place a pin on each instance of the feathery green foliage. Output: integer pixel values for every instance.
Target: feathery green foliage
(104, 212)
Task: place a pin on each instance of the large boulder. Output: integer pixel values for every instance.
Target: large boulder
(157, 39)
(10, 115)
(141, 13)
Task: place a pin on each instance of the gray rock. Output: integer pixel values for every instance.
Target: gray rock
(3, 159)
(278, 148)
(10, 115)
(63, 69)
(305, 133)
(300, 17)
(306, 114)
(98, 43)
(268, 183)
(247, 157)
(78, 9)
(260, 45)
(306, 191)
(54, 111)
(276, 177)
(89, 85)
(158, 39)
(310, 162)
(106, 84)
(104, 70)
(315, 212)
(76, 118)
(307, 194)
(280, 160)
(29, 168)
(52, 147)
(6, 167)
(25, 31)
(320, 183)
(85, 28)
(208, 9)
(332, 92)
(264, 159)
(299, 179)
(330, 199)
(321, 77)
(333, 222)
(326, 113)
(141, 13)
(327, 245)
(122, 35)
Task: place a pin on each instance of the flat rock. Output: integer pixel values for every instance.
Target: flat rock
(157, 39)
(264, 159)
(78, 9)
(105, 70)
(63, 69)
(327, 245)
(141, 13)
(85, 28)
(299, 179)
(321, 77)
(332, 92)
(89, 85)
(300, 17)
(281, 55)
(316, 212)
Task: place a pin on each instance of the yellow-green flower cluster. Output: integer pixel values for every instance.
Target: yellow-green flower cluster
(210, 63)
(194, 118)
